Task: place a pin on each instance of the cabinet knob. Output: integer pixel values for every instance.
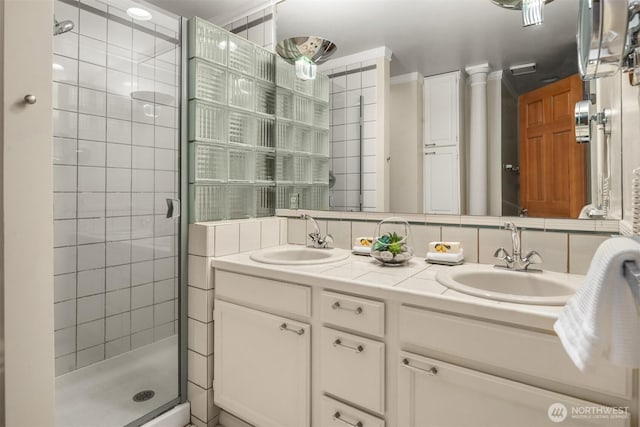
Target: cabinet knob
(30, 99)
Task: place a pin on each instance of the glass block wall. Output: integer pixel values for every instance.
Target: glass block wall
(258, 136)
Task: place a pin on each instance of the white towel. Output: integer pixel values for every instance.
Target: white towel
(601, 320)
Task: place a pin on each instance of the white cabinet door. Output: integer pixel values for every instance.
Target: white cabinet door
(434, 393)
(262, 366)
(441, 110)
(441, 174)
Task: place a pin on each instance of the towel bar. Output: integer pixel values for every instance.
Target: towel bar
(632, 274)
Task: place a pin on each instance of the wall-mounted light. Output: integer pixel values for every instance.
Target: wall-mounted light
(532, 10)
(518, 70)
(306, 53)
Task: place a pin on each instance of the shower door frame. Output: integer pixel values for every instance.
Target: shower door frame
(182, 236)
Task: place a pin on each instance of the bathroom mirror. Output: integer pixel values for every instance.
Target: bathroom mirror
(430, 38)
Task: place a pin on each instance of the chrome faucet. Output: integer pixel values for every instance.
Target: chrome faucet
(516, 261)
(318, 241)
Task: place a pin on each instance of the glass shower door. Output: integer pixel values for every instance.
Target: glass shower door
(116, 164)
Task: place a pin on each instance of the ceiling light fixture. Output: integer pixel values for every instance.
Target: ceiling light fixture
(532, 10)
(518, 70)
(139, 14)
(306, 53)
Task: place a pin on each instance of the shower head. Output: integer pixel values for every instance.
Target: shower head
(61, 27)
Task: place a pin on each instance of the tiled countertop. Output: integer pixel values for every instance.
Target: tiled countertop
(412, 284)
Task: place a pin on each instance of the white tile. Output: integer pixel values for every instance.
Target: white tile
(90, 334)
(118, 228)
(91, 205)
(165, 160)
(142, 250)
(165, 247)
(118, 253)
(422, 235)
(118, 346)
(370, 112)
(142, 135)
(200, 272)
(118, 277)
(64, 314)
(64, 205)
(143, 43)
(141, 272)
(118, 107)
(64, 260)
(66, 12)
(354, 81)
(142, 157)
(118, 156)
(91, 179)
(370, 95)
(197, 303)
(197, 371)
(163, 313)
(119, 59)
(91, 282)
(296, 231)
(341, 233)
(143, 112)
(65, 70)
(165, 181)
(64, 287)
(92, 102)
(269, 233)
(91, 153)
(227, 239)
(91, 256)
(166, 116)
(118, 301)
(64, 233)
(369, 199)
(164, 290)
(164, 268)
(142, 338)
(65, 341)
(120, 35)
(119, 131)
(117, 326)
(142, 204)
(164, 226)
(118, 204)
(553, 247)
(489, 240)
(141, 296)
(90, 308)
(468, 238)
(65, 97)
(91, 230)
(92, 127)
(339, 100)
(118, 180)
(582, 247)
(92, 76)
(369, 130)
(165, 138)
(353, 131)
(338, 133)
(66, 363)
(93, 51)
(141, 227)
(65, 124)
(353, 98)
(141, 319)
(250, 234)
(90, 355)
(119, 83)
(93, 25)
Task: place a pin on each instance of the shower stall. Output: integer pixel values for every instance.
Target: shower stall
(118, 235)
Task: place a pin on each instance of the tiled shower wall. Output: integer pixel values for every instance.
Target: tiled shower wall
(115, 163)
(348, 83)
(257, 27)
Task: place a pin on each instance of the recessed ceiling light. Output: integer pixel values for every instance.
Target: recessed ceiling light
(139, 14)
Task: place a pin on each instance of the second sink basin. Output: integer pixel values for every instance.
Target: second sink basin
(299, 256)
(485, 281)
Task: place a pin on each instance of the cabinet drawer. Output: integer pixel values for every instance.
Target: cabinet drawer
(353, 368)
(264, 293)
(359, 314)
(435, 393)
(505, 347)
(337, 414)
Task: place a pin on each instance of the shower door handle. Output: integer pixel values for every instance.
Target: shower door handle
(173, 208)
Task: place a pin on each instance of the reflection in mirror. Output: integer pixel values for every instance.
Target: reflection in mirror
(502, 136)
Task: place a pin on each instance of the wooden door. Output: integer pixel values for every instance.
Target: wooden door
(552, 164)
(262, 366)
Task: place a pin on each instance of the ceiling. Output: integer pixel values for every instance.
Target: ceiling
(425, 36)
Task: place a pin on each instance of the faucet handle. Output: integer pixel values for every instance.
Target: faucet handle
(533, 257)
(328, 241)
(501, 253)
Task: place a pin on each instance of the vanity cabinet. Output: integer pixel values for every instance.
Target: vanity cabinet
(442, 149)
(262, 366)
(435, 393)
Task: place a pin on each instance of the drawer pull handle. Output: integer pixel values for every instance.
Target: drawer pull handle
(285, 327)
(431, 371)
(357, 349)
(338, 416)
(336, 306)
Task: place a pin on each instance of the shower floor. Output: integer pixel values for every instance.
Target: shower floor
(101, 394)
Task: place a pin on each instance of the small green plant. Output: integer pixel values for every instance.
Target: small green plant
(389, 242)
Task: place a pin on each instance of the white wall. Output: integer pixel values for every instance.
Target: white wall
(405, 144)
(27, 221)
(630, 145)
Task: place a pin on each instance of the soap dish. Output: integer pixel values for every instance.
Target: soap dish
(449, 263)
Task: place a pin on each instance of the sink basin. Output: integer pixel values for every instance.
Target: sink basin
(299, 256)
(484, 281)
